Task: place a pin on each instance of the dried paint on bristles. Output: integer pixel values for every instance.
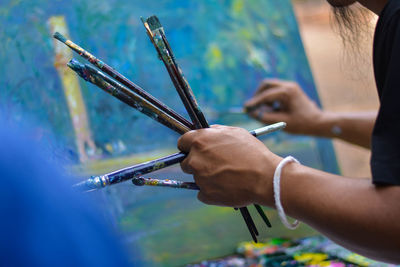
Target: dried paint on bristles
(60, 37)
(75, 65)
(79, 68)
(154, 23)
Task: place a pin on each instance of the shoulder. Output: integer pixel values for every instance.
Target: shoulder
(385, 157)
(389, 15)
(390, 9)
(386, 40)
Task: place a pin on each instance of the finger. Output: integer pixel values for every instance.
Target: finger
(216, 129)
(186, 140)
(268, 84)
(203, 198)
(216, 126)
(273, 94)
(186, 167)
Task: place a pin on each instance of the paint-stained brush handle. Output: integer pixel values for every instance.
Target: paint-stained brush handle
(268, 129)
(122, 79)
(156, 33)
(140, 181)
(185, 92)
(250, 223)
(119, 91)
(157, 36)
(262, 214)
(98, 182)
(128, 173)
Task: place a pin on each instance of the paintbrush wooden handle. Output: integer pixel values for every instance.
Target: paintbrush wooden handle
(140, 181)
(117, 90)
(128, 173)
(143, 168)
(157, 37)
(122, 79)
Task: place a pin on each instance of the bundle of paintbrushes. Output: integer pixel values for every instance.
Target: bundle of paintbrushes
(114, 83)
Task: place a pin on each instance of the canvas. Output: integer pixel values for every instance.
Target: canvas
(225, 48)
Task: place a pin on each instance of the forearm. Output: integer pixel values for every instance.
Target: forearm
(232, 168)
(355, 128)
(352, 212)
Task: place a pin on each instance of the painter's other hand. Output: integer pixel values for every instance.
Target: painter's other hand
(231, 167)
(301, 114)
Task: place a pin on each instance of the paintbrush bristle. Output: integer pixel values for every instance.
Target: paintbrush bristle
(86, 186)
(60, 37)
(79, 68)
(154, 23)
(75, 64)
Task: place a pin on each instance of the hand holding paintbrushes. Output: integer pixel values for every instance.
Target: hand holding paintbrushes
(128, 173)
(120, 87)
(157, 36)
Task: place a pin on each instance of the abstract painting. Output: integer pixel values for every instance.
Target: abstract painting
(224, 47)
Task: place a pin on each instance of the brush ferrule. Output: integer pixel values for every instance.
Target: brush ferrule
(103, 180)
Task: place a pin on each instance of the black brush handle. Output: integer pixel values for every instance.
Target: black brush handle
(263, 215)
(248, 223)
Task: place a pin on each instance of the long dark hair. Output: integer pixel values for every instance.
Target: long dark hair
(352, 23)
(354, 26)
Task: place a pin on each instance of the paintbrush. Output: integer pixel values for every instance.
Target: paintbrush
(119, 91)
(98, 182)
(122, 175)
(141, 181)
(125, 174)
(176, 75)
(157, 36)
(250, 223)
(122, 79)
(159, 40)
(234, 111)
(262, 214)
(275, 106)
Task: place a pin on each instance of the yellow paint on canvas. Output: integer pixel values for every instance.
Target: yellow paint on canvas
(214, 56)
(72, 91)
(237, 6)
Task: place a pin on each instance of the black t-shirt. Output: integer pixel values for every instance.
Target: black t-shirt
(385, 160)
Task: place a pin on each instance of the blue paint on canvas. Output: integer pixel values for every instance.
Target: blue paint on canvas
(225, 48)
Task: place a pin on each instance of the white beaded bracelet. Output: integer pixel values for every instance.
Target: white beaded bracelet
(277, 193)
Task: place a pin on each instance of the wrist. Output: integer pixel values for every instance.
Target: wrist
(325, 125)
(277, 193)
(290, 182)
(264, 193)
